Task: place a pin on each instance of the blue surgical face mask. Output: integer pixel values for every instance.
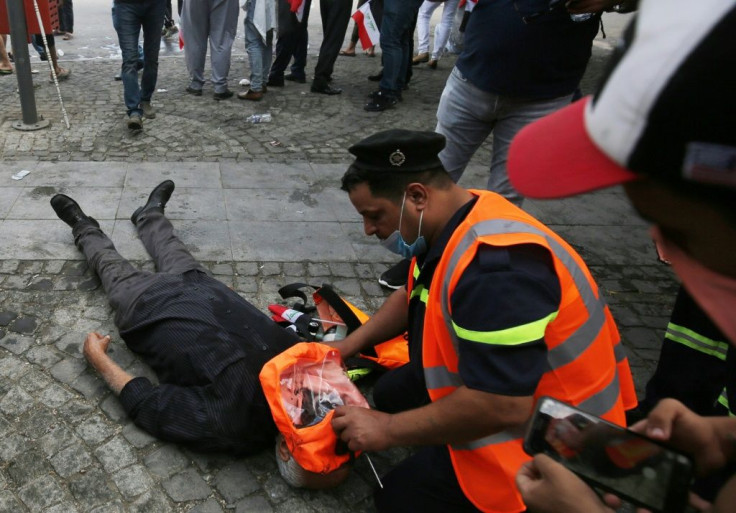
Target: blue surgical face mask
(395, 243)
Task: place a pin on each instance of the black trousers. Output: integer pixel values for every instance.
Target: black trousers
(122, 282)
(425, 481)
(335, 19)
(292, 43)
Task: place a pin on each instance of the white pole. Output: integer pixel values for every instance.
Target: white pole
(51, 64)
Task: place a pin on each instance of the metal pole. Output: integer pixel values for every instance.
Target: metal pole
(19, 38)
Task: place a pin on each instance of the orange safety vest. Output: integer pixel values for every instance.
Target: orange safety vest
(587, 365)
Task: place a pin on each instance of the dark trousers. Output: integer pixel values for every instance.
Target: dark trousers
(66, 16)
(122, 282)
(335, 19)
(426, 480)
(292, 44)
(397, 36)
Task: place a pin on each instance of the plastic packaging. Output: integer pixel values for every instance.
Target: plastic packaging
(259, 118)
(310, 389)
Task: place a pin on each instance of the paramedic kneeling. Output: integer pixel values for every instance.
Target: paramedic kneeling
(499, 311)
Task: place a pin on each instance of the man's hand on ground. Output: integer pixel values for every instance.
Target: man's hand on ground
(95, 344)
(362, 429)
(95, 351)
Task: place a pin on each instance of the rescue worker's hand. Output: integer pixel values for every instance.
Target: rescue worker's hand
(95, 344)
(547, 486)
(362, 429)
(709, 440)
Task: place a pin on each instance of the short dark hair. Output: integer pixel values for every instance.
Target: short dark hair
(392, 185)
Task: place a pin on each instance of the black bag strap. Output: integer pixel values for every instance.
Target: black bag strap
(343, 310)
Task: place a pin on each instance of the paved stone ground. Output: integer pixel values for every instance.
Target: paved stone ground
(260, 205)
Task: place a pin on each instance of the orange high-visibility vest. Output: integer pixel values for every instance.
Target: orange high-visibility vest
(587, 366)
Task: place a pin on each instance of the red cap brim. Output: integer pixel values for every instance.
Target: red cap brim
(554, 157)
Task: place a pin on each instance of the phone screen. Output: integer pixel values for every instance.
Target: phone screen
(611, 457)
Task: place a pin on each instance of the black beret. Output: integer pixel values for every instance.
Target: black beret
(399, 151)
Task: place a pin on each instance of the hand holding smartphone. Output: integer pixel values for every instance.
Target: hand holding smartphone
(609, 457)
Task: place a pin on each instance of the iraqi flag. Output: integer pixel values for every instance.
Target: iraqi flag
(367, 27)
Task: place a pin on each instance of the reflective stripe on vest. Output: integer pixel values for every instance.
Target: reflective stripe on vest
(696, 341)
(568, 351)
(723, 401)
(571, 348)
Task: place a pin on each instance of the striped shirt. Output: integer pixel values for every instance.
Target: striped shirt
(207, 346)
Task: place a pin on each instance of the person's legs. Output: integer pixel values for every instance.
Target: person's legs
(423, 482)
(425, 13)
(168, 252)
(298, 67)
(513, 115)
(66, 16)
(152, 21)
(122, 282)
(255, 47)
(443, 29)
(335, 19)
(195, 27)
(127, 22)
(5, 64)
(223, 26)
(465, 116)
(397, 18)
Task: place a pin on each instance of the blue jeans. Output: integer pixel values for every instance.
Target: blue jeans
(259, 52)
(128, 19)
(467, 115)
(396, 41)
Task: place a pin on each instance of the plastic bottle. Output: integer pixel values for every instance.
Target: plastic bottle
(259, 118)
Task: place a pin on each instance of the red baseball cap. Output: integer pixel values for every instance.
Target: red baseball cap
(666, 109)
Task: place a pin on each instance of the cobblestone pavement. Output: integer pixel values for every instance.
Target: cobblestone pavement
(65, 444)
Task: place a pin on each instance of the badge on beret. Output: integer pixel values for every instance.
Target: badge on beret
(397, 158)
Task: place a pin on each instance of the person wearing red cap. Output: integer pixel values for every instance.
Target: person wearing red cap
(661, 124)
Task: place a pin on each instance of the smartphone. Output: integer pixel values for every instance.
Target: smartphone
(609, 457)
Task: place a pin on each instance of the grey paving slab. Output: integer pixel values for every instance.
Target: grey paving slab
(33, 202)
(206, 240)
(266, 175)
(294, 205)
(74, 174)
(185, 174)
(186, 203)
(597, 208)
(39, 240)
(8, 197)
(289, 241)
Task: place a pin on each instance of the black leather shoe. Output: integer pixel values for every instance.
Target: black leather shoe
(156, 200)
(377, 92)
(381, 101)
(377, 77)
(275, 82)
(69, 211)
(325, 89)
(292, 78)
(227, 93)
(194, 92)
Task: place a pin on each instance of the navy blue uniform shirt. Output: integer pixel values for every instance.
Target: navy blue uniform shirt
(503, 287)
